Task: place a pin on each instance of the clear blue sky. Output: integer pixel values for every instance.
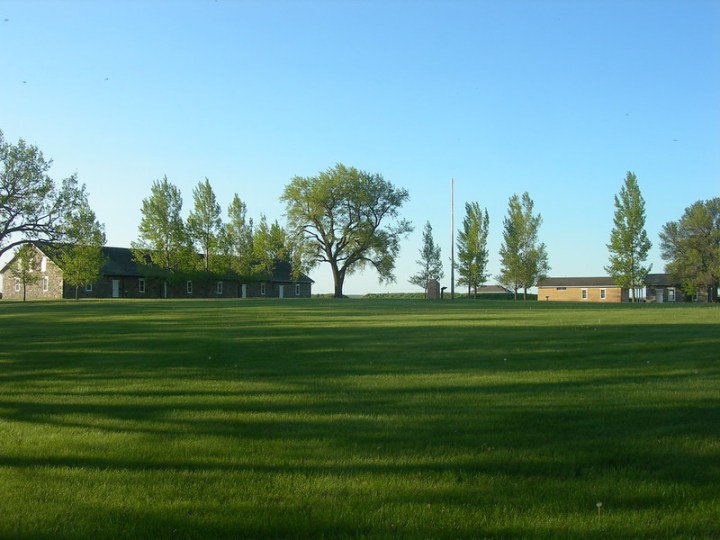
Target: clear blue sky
(557, 98)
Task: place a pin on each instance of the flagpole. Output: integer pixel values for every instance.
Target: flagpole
(452, 238)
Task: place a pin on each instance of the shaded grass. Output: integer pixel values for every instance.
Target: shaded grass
(368, 418)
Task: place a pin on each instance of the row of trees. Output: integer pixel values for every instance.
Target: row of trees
(523, 258)
(341, 216)
(690, 246)
(171, 244)
(345, 217)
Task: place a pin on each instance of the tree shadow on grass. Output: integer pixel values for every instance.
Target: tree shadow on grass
(560, 406)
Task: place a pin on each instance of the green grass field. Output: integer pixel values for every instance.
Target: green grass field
(359, 419)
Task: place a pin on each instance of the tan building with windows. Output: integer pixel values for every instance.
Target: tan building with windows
(659, 288)
(581, 289)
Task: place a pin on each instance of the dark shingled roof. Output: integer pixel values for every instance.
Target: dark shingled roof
(601, 281)
(282, 271)
(119, 262)
(653, 280)
(661, 280)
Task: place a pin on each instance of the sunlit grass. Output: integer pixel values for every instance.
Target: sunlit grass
(359, 419)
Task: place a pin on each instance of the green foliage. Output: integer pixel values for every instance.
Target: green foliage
(236, 238)
(163, 240)
(366, 419)
(32, 206)
(204, 225)
(430, 262)
(629, 244)
(691, 247)
(25, 267)
(166, 242)
(472, 249)
(80, 255)
(523, 257)
(340, 217)
(270, 245)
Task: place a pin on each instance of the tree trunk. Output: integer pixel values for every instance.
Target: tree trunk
(338, 289)
(338, 279)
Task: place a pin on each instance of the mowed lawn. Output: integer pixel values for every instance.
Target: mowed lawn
(359, 419)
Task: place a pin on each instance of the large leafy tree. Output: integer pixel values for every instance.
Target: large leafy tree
(472, 249)
(236, 238)
(629, 243)
(80, 254)
(430, 262)
(523, 257)
(163, 240)
(341, 217)
(691, 247)
(25, 267)
(32, 206)
(204, 224)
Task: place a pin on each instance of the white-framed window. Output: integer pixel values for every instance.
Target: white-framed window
(219, 288)
(263, 289)
(583, 294)
(188, 287)
(671, 295)
(43, 264)
(17, 284)
(297, 289)
(603, 294)
(141, 285)
(89, 287)
(46, 284)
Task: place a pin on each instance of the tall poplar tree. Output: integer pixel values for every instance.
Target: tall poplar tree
(163, 241)
(472, 248)
(523, 257)
(204, 224)
(430, 262)
(236, 238)
(629, 243)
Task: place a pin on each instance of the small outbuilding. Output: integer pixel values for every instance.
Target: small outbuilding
(432, 290)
